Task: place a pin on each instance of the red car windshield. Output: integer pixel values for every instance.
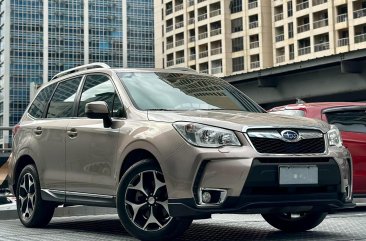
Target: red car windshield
(351, 121)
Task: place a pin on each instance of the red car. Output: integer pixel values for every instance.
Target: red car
(350, 118)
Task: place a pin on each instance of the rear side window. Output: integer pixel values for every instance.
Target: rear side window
(351, 121)
(62, 102)
(40, 102)
(100, 88)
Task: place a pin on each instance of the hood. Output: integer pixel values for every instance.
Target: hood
(238, 120)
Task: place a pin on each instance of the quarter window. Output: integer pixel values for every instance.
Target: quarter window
(100, 88)
(40, 102)
(62, 102)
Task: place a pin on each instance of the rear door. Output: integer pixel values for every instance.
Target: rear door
(351, 121)
(49, 132)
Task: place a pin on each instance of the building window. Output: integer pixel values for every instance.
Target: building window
(253, 21)
(238, 64)
(291, 50)
(237, 44)
(237, 25)
(289, 9)
(255, 61)
(291, 30)
(236, 6)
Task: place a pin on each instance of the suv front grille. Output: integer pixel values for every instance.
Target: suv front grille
(271, 141)
(264, 145)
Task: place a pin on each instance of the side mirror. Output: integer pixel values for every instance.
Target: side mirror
(99, 110)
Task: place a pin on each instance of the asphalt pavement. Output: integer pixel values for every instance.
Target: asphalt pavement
(343, 226)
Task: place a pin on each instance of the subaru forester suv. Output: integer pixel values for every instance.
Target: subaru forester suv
(166, 147)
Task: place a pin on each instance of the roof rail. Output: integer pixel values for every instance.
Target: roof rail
(79, 68)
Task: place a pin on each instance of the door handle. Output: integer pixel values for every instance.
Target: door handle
(72, 133)
(38, 131)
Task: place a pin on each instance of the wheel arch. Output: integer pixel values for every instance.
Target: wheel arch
(22, 162)
(133, 157)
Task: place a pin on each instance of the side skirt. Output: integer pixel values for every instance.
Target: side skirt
(76, 198)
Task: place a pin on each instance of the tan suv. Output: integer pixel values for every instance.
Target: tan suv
(166, 147)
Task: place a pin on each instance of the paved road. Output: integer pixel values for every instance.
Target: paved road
(342, 226)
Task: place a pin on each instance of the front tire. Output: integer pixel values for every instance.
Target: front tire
(289, 222)
(142, 204)
(33, 212)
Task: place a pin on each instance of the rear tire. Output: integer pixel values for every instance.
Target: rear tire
(33, 212)
(142, 204)
(288, 223)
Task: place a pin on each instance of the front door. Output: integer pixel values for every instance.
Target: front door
(90, 147)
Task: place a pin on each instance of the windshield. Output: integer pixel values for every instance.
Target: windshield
(176, 91)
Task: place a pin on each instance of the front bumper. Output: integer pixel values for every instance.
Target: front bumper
(260, 205)
(252, 185)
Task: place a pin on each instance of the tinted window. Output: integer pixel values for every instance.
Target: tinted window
(40, 102)
(175, 91)
(62, 102)
(352, 121)
(100, 88)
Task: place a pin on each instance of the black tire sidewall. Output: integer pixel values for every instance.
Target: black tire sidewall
(174, 228)
(307, 222)
(43, 211)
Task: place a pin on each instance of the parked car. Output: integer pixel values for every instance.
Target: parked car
(166, 147)
(350, 118)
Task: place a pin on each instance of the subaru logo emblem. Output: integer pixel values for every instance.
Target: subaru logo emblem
(290, 136)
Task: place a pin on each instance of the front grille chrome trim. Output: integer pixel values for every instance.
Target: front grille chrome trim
(274, 134)
(307, 155)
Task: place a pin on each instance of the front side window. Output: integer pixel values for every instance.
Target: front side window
(351, 121)
(62, 103)
(40, 102)
(100, 88)
(176, 91)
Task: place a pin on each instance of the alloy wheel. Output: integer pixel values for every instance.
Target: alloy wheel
(146, 201)
(27, 196)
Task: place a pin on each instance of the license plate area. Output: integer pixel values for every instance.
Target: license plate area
(298, 175)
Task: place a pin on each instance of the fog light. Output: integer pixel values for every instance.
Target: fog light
(211, 196)
(206, 197)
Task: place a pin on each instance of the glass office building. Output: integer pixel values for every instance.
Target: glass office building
(40, 38)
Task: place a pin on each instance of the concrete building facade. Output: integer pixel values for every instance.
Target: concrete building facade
(40, 38)
(227, 38)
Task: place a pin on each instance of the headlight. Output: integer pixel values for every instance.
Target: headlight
(334, 136)
(206, 136)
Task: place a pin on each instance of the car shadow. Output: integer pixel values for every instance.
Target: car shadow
(229, 231)
(219, 232)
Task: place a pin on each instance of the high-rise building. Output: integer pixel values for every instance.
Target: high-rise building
(40, 38)
(229, 37)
